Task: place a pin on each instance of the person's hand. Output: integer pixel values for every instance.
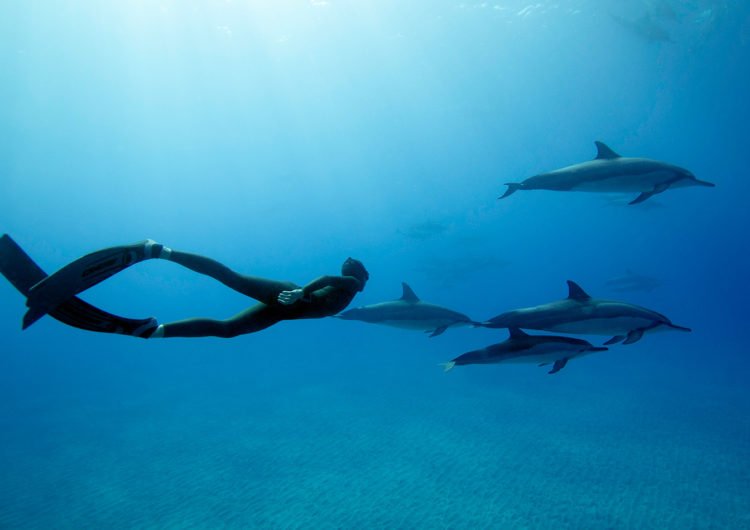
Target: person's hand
(289, 297)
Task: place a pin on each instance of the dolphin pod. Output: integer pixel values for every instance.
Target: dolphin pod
(578, 313)
(626, 323)
(609, 172)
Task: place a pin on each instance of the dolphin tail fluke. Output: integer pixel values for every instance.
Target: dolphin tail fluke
(512, 188)
(447, 367)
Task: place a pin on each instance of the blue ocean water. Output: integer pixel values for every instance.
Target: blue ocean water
(280, 137)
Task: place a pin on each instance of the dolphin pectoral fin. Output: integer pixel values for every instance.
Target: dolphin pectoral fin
(634, 336)
(438, 331)
(615, 340)
(648, 194)
(642, 197)
(512, 188)
(559, 365)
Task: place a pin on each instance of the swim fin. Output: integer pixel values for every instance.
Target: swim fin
(82, 274)
(22, 272)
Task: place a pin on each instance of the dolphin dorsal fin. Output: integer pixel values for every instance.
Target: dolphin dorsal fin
(603, 152)
(408, 295)
(517, 333)
(576, 293)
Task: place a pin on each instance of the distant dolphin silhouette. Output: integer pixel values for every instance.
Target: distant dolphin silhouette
(646, 27)
(612, 173)
(425, 230)
(449, 272)
(409, 312)
(631, 281)
(523, 348)
(579, 313)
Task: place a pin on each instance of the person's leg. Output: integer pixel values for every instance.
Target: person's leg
(97, 266)
(261, 289)
(254, 319)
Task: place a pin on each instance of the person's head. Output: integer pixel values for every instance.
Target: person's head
(353, 267)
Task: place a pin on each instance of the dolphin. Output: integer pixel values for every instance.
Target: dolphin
(579, 313)
(632, 281)
(425, 230)
(447, 272)
(647, 27)
(612, 173)
(520, 347)
(409, 312)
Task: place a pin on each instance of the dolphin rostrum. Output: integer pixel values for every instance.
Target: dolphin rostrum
(612, 173)
(520, 347)
(579, 313)
(409, 312)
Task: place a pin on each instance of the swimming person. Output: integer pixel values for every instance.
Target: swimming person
(278, 300)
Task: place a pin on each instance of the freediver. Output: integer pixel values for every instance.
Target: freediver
(277, 300)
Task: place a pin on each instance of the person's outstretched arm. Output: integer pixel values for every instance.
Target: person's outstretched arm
(340, 282)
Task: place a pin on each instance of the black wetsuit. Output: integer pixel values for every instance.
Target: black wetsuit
(325, 296)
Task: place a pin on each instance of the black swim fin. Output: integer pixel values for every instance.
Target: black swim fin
(22, 272)
(82, 274)
(33, 314)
